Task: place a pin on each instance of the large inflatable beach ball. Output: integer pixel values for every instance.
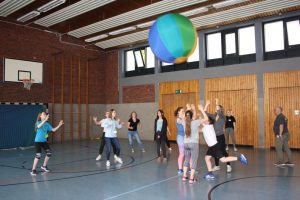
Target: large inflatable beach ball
(172, 38)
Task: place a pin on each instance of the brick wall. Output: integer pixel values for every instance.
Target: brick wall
(112, 77)
(25, 43)
(139, 94)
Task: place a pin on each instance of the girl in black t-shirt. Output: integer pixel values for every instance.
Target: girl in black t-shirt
(133, 124)
(229, 129)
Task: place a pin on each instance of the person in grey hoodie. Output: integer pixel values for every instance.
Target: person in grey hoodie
(219, 122)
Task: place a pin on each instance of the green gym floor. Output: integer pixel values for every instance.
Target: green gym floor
(75, 174)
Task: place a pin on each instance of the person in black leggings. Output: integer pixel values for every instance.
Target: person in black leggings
(102, 140)
(160, 132)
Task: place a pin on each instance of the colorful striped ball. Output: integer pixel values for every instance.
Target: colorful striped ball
(172, 38)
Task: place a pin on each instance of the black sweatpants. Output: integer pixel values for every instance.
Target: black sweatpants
(161, 143)
(222, 144)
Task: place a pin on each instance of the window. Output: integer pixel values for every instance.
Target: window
(195, 56)
(293, 31)
(139, 61)
(230, 43)
(230, 46)
(282, 38)
(274, 39)
(247, 41)
(214, 46)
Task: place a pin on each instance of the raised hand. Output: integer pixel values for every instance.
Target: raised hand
(95, 118)
(200, 107)
(61, 122)
(188, 106)
(208, 102)
(193, 107)
(47, 117)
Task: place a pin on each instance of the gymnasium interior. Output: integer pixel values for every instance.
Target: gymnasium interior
(77, 59)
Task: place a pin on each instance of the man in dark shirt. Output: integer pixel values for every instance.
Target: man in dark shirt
(229, 129)
(282, 137)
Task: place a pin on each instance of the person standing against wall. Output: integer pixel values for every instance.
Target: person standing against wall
(282, 137)
(229, 129)
(160, 132)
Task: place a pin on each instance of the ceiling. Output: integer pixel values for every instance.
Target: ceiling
(111, 24)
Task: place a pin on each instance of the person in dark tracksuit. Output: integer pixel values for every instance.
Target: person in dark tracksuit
(219, 122)
(160, 133)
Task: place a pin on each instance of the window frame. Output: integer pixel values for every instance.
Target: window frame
(138, 71)
(289, 50)
(229, 59)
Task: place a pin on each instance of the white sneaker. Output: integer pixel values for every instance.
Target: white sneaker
(108, 163)
(235, 149)
(115, 156)
(143, 150)
(119, 160)
(216, 168)
(227, 148)
(98, 157)
(229, 168)
(132, 150)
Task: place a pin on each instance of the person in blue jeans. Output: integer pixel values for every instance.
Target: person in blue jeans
(133, 124)
(111, 124)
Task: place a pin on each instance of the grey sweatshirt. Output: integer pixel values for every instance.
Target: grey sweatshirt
(219, 124)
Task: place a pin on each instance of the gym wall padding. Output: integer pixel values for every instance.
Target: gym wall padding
(17, 125)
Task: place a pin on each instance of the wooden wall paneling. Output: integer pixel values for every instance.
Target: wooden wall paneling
(62, 98)
(238, 93)
(169, 101)
(53, 94)
(79, 100)
(71, 100)
(282, 89)
(87, 101)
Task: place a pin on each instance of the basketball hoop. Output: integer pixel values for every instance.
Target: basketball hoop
(27, 83)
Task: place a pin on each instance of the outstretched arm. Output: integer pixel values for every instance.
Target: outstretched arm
(200, 107)
(96, 121)
(43, 122)
(61, 122)
(194, 111)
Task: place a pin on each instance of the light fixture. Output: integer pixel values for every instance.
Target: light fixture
(145, 25)
(227, 3)
(124, 30)
(51, 5)
(99, 37)
(28, 16)
(195, 11)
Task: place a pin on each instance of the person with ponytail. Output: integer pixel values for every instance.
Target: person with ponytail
(191, 144)
(214, 148)
(160, 133)
(42, 128)
(179, 114)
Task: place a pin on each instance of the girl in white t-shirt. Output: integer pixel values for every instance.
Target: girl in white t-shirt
(214, 149)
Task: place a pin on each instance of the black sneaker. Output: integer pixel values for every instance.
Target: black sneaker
(279, 164)
(289, 164)
(45, 169)
(33, 173)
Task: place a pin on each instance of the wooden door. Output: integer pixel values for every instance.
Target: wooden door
(170, 102)
(288, 99)
(242, 103)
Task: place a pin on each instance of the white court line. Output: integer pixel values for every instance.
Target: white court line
(141, 188)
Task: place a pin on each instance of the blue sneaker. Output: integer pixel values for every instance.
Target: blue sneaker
(179, 171)
(209, 176)
(243, 159)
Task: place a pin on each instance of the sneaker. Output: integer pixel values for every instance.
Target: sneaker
(108, 163)
(45, 169)
(289, 164)
(184, 179)
(227, 148)
(119, 160)
(115, 156)
(216, 168)
(191, 181)
(143, 150)
(234, 148)
(209, 176)
(243, 159)
(229, 168)
(179, 171)
(279, 164)
(132, 150)
(98, 157)
(33, 172)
